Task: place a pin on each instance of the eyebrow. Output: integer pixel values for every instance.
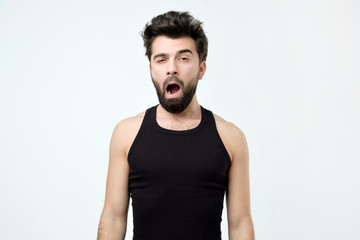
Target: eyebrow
(178, 52)
(185, 51)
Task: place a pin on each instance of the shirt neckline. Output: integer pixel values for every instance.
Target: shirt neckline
(178, 132)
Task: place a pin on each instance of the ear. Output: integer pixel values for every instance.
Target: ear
(202, 69)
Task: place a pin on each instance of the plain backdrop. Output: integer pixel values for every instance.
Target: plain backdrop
(285, 72)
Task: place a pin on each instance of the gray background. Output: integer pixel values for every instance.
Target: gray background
(286, 72)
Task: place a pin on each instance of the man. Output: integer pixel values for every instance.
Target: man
(176, 160)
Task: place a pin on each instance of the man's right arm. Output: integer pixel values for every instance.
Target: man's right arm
(113, 219)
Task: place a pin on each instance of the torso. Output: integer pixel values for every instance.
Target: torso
(183, 174)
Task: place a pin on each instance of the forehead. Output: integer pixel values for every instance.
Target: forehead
(163, 44)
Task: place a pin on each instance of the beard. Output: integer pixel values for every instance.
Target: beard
(179, 104)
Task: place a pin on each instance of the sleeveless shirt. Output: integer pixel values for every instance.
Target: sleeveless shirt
(177, 180)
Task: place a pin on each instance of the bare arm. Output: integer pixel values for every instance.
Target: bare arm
(113, 219)
(240, 224)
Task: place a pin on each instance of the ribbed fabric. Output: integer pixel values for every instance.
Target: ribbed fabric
(178, 180)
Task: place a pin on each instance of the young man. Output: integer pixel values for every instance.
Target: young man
(176, 160)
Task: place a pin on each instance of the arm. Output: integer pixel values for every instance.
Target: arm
(113, 219)
(238, 195)
(240, 226)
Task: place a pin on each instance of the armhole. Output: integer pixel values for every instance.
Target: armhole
(138, 135)
(220, 141)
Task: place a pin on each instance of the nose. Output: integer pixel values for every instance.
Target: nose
(172, 69)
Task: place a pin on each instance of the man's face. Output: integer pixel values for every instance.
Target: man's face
(175, 71)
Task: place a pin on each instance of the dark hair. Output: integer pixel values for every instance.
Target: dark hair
(175, 25)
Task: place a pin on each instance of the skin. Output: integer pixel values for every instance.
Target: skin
(169, 58)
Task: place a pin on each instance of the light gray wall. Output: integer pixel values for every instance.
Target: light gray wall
(286, 72)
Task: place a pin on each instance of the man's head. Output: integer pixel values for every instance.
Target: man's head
(175, 25)
(177, 48)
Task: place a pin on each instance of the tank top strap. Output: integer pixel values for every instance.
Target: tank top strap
(211, 126)
(208, 116)
(150, 114)
(209, 120)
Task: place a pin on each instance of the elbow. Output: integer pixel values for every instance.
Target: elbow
(241, 229)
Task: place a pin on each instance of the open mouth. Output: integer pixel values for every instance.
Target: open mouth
(172, 88)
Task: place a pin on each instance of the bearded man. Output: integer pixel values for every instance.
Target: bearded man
(176, 160)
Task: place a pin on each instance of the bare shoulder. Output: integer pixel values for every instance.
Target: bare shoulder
(125, 132)
(129, 124)
(228, 129)
(232, 137)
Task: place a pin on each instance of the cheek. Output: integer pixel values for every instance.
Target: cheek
(189, 69)
(156, 71)
(193, 71)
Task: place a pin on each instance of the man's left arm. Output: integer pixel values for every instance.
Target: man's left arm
(240, 225)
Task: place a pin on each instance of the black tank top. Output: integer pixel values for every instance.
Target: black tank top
(177, 180)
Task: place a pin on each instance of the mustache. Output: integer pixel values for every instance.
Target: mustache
(174, 79)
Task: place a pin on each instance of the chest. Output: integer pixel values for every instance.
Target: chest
(178, 159)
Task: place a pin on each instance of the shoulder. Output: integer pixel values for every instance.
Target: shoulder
(232, 136)
(129, 124)
(228, 128)
(125, 132)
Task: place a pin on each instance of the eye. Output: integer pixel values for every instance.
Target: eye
(184, 59)
(160, 60)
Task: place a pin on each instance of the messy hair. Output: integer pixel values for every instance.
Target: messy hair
(175, 25)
